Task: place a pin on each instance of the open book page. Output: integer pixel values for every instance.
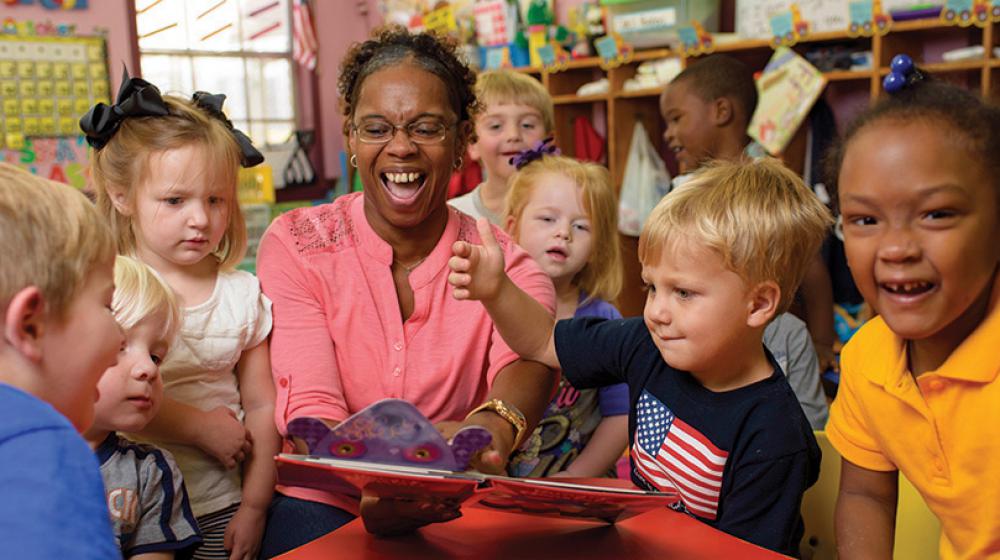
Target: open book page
(608, 500)
(351, 477)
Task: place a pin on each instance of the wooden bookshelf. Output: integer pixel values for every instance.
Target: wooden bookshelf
(617, 111)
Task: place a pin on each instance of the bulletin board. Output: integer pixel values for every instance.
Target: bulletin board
(46, 85)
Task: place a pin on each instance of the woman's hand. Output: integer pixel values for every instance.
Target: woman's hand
(390, 516)
(493, 458)
(243, 534)
(477, 270)
(228, 441)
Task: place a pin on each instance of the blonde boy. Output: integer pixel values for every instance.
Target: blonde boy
(58, 336)
(714, 418)
(150, 512)
(516, 114)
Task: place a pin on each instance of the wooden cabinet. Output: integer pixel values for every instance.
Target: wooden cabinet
(615, 113)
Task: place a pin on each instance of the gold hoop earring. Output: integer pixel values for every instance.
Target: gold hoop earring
(458, 163)
(354, 160)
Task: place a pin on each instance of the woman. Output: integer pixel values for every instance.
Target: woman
(362, 308)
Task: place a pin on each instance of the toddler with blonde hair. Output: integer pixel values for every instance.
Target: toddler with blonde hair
(713, 417)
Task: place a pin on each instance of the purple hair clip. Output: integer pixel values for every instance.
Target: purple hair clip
(902, 72)
(541, 148)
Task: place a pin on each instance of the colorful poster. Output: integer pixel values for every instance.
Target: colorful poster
(59, 159)
(47, 83)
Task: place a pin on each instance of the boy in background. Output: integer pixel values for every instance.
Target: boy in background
(713, 417)
(58, 336)
(707, 109)
(516, 114)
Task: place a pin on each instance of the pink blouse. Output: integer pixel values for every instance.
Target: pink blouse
(339, 342)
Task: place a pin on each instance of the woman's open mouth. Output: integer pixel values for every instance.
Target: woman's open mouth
(403, 186)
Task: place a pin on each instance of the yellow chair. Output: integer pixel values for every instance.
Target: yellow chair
(917, 529)
(819, 541)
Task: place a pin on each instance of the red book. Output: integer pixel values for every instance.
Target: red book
(607, 500)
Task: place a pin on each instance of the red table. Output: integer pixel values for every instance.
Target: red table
(484, 534)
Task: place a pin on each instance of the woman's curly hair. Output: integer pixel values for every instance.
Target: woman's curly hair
(393, 44)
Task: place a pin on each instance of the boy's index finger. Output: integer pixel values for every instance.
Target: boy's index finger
(486, 235)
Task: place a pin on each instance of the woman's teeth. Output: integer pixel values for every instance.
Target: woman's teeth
(402, 178)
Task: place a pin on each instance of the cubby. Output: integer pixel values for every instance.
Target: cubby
(615, 113)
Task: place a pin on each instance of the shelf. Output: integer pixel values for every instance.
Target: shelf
(588, 62)
(573, 64)
(845, 75)
(637, 93)
(945, 67)
(920, 25)
(575, 99)
(653, 54)
(743, 45)
(828, 36)
(957, 66)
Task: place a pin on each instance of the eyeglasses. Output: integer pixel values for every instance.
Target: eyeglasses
(423, 131)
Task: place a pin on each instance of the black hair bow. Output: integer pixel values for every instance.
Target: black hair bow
(136, 98)
(211, 103)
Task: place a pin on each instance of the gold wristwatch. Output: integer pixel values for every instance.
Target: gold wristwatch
(509, 413)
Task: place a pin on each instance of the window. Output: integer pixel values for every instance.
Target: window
(238, 47)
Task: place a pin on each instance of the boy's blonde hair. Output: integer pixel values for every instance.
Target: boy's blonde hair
(757, 215)
(601, 277)
(52, 237)
(123, 164)
(497, 87)
(140, 293)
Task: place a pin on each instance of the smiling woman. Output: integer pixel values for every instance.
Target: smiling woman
(362, 306)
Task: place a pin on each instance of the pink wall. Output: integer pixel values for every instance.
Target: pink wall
(338, 25)
(111, 16)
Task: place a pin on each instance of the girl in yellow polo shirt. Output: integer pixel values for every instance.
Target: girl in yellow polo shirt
(919, 193)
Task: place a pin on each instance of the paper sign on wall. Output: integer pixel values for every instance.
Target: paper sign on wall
(47, 84)
(494, 23)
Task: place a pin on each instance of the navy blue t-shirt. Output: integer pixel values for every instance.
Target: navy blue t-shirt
(740, 459)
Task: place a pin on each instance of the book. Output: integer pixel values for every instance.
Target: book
(391, 431)
(787, 90)
(391, 448)
(606, 500)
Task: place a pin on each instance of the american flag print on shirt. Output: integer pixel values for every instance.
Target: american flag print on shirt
(672, 456)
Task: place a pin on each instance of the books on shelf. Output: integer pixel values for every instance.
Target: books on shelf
(607, 500)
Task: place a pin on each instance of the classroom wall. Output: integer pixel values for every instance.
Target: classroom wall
(338, 25)
(111, 16)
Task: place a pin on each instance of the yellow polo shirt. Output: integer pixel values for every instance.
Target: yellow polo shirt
(941, 430)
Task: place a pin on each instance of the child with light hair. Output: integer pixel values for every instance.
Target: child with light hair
(515, 114)
(58, 335)
(564, 213)
(713, 416)
(148, 502)
(165, 170)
